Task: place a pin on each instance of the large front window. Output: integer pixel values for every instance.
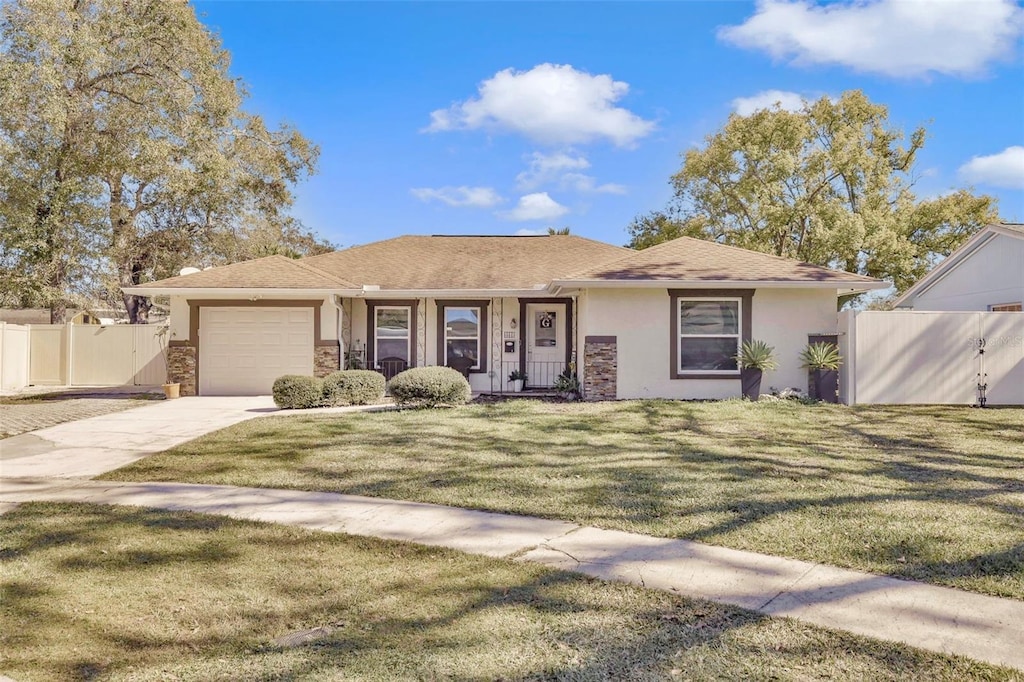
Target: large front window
(392, 334)
(462, 337)
(709, 335)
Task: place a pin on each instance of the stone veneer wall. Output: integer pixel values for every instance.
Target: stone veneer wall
(181, 368)
(326, 359)
(601, 367)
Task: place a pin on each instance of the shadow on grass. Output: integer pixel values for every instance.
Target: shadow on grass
(708, 472)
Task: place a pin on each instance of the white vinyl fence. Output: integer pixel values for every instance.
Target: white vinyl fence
(924, 357)
(80, 355)
(14, 352)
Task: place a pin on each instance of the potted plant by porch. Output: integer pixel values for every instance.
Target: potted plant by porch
(172, 389)
(516, 381)
(755, 358)
(822, 361)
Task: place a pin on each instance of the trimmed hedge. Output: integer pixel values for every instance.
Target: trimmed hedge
(354, 387)
(429, 386)
(296, 392)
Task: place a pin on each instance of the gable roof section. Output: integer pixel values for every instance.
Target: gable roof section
(695, 261)
(272, 272)
(958, 256)
(444, 263)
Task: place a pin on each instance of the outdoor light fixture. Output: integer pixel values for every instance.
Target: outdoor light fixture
(513, 324)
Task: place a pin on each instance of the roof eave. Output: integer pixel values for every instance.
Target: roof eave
(846, 287)
(244, 292)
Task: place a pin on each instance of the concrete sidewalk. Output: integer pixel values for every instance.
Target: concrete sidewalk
(936, 618)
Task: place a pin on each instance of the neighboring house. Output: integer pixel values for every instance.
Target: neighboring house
(42, 316)
(663, 322)
(986, 273)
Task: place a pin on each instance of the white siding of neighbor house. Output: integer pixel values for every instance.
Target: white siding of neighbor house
(640, 319)
(993, 274)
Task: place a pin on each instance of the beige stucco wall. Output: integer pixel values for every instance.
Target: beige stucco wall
(639, 318)
(991, 275)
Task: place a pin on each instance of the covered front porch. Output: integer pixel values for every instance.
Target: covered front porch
(501, 344)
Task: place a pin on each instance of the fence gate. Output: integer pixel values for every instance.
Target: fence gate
(95, 355)
(924, 357)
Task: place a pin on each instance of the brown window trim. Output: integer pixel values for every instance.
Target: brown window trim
(371, 330)
(746, 297)
(569, 340)
(442, 357)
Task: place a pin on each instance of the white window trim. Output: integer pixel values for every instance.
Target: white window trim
(725, 373)
(376, 335)
(479, 324)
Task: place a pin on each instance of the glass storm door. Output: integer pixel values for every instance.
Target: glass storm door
(545, 343)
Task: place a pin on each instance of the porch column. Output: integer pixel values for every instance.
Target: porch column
(600, 367)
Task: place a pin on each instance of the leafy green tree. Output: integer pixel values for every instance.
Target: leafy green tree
(125, 152)
(559, 230)
(830, 184)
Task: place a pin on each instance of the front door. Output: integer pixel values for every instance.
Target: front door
(545, 343)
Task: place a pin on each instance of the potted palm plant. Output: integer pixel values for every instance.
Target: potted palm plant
(754, 359)
(516, 380)
(172, 389)
(822, 361)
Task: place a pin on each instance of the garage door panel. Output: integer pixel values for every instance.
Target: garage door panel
(242, 350)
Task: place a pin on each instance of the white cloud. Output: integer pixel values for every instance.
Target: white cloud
(552, 104)
(1005, 169)
(767, 99)
(546, 168)
(478, 197)
(559, 168)
(536, 206)
(893, 37)
(587, 184)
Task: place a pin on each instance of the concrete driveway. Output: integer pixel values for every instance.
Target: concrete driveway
(90, 447)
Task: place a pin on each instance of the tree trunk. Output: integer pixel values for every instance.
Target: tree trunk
(58, 312)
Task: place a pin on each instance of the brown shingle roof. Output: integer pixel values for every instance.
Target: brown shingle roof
(451, 263)
(696, 260)
(272, 272)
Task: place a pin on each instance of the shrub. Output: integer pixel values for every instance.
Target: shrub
(297, 392)
(353, 387)
(429, 386)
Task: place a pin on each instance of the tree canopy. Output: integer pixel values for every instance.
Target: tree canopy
(830, 184)
(125, 153)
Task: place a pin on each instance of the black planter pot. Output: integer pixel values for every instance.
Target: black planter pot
(750, 379)
(823, 385)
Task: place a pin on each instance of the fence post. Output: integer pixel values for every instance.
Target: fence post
(3, 342)
(68, 345)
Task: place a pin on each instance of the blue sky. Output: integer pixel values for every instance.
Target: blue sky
(435, 118)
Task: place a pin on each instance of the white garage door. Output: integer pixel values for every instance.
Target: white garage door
(242, 350)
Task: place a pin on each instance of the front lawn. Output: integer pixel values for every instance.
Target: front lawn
(929, 493)
(117, 593)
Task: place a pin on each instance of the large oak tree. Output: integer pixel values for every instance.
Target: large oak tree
(125, 153)
(830, 184)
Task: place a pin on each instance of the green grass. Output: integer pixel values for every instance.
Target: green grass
(114, 593)
(928, 493)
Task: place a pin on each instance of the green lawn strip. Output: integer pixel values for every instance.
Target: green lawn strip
(927, 493)
(117, 593)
